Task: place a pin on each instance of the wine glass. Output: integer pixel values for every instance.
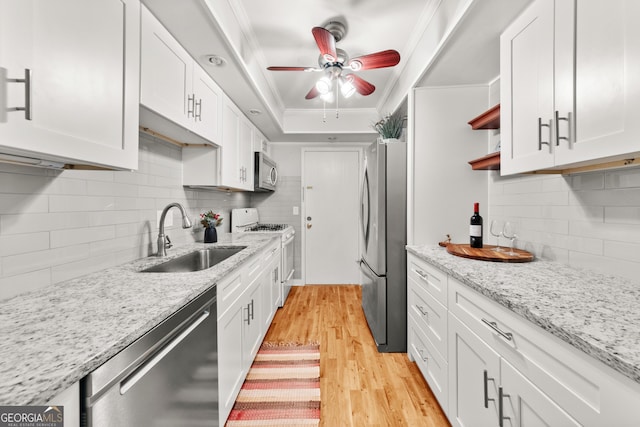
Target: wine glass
(509, 231)
(496, 231)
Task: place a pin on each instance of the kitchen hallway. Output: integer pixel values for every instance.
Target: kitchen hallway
(359, 386)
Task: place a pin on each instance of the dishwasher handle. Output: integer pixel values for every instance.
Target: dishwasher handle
(149, 363)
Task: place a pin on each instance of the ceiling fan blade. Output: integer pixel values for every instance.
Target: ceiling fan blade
(326, 43)
(385, 58)
(312, 93)
(293, 69)
(362, 86)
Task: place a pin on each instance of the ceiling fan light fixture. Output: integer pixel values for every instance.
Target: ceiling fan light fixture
(346, 87)
(324, 85)
(327, 97)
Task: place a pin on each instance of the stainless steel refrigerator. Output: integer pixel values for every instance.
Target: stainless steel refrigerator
(383, 261)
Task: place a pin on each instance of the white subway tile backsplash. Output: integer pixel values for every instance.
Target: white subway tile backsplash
(589, 220)
(57, 225)
(22, 283)
(76, 236)
(23, 203)
(24, 263)
(80, 203)
(628, 178)
(28, 223)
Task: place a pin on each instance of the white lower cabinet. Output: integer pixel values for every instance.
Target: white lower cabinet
(242, 323)
(499, 369)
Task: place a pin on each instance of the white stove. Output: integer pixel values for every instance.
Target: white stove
(247, 220)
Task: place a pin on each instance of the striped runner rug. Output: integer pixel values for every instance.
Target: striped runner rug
(282, 388)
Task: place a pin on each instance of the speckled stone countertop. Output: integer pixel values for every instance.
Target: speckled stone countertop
(54, 337)
(597, 314)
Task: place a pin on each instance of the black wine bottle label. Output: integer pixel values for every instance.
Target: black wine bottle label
(475, 228)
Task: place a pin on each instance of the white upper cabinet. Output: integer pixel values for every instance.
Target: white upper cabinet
(570, 84)
(83, 95)
(236, 164)
(174, 86)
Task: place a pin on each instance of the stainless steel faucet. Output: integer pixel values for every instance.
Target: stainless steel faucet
(163, 241)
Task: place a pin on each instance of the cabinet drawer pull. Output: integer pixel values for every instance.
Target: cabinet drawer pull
(191, 99)
(422, 274)
(540, 126)
(486, 389)
(558, 118)
(27, 93)
(493, 325)
(198, 110)
(422, 312)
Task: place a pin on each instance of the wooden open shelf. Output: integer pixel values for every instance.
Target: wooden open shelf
(490, 119)
(488, 162)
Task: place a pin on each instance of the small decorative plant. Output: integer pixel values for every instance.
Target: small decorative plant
(210, 219)
(390, 126)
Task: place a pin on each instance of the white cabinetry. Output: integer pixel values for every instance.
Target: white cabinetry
(243, 320)
(237, 149)
(489, 366)
(570, 78)
(532, 377)
(175, 87)
(427, 324)
(83, 93)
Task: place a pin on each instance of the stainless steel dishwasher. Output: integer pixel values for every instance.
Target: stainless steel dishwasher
(168, 377)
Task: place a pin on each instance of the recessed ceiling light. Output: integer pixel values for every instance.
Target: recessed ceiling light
(216, 60)
(255, 112)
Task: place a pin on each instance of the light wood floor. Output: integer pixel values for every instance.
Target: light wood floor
(358, 385)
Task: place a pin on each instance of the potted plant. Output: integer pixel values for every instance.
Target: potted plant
(390, 127)
(210, 220)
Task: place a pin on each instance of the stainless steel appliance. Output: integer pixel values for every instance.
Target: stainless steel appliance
(168, 377)
(247, 220)
(383, 261)
(265, 174)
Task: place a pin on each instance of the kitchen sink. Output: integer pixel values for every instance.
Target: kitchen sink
(195, 261)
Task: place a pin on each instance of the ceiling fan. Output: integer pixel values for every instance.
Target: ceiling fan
(334, 62)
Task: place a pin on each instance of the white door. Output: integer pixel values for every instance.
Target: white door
(330, 222)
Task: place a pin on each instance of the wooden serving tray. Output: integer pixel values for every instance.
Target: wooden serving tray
(488, 253)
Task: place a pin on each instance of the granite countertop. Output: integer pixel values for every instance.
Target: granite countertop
(55, 336)
(595, 313)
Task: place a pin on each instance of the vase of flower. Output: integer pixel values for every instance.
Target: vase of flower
(210, 235)
(210, 220)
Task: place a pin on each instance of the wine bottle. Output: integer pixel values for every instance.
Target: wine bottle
(475, 227)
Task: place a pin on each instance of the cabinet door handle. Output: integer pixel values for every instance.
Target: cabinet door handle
(557, 119)
(540, 126)
(486, 389)
(422, 274)
(422, 312)
(422, 356)
(27, 93)
(198, 110)
(501, 417)
(252, 310)
(493, 325)
(248, 320)
(191, 99)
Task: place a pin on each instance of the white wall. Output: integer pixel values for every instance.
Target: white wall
(444, 187)
(58, 225)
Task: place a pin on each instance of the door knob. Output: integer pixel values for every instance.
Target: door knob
(309, 226)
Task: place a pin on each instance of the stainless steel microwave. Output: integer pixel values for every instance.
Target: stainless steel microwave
(266, 173)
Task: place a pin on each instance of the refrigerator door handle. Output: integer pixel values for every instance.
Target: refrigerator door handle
(365, 210)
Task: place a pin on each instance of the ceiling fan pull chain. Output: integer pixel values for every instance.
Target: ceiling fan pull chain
(324, 111)
(337, 98)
